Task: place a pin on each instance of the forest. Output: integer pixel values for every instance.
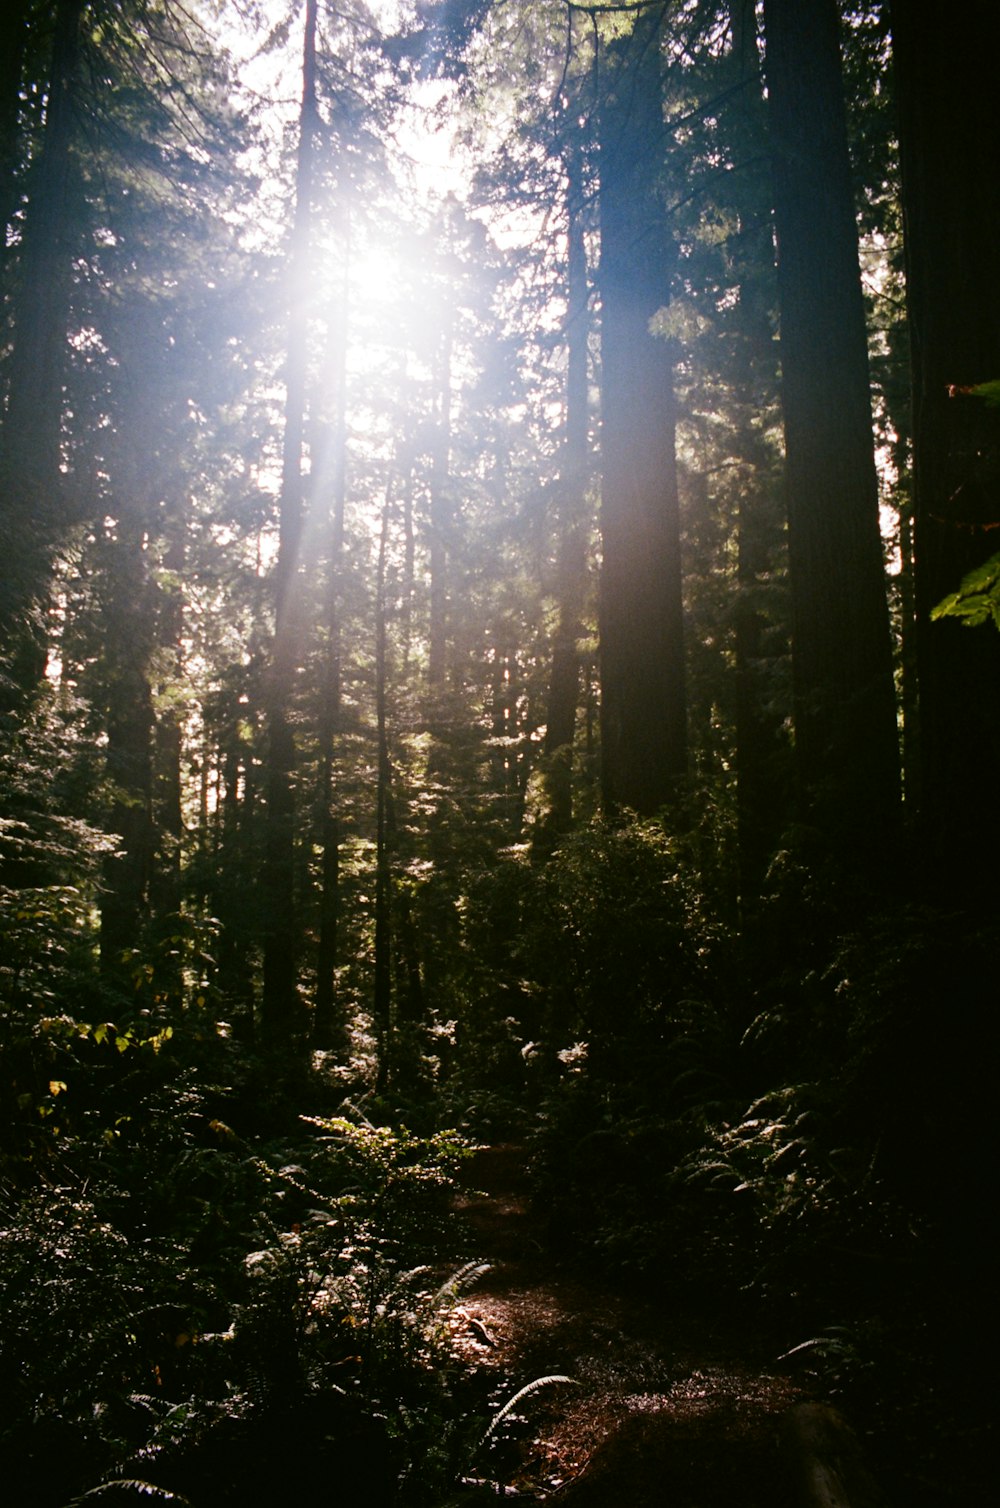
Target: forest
(499, 711)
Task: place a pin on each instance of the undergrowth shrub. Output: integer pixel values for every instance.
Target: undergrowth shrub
(208, 1314)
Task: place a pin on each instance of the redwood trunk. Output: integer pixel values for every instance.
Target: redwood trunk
(282, 1015)
(564, 682)
(845, 715)
(643, 707)
(946, 75)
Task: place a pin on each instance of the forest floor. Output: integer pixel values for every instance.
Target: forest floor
(665, 1408)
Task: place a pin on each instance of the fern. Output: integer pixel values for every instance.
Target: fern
(135, 1486)
(460, 1281)
(519, 1397)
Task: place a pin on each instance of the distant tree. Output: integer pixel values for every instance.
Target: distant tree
(571, 563)
(282, 1008)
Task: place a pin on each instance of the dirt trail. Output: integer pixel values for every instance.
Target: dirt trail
(661, 1412)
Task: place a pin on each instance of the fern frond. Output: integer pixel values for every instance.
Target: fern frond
(460, 1280)
(134, 1485)
(519, 1396)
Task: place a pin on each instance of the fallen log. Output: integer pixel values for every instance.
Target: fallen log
(824, 1460)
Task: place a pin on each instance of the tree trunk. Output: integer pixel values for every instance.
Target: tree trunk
(845, 716)
(382, 1005)
(564, 681)
(13, 39)
(282, 1014)
(762, 746)
(30, 476)
(643, 707)
(168, 785)
(125, 893)
(328, 1030)
(946, 78)
(440, 519)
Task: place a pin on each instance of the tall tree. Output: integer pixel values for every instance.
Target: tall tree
(761, 745)
(30, 476)
(845, 716)
(946, 83)
(643, 706)
(327, 1027)
(571, 564)
(282, 1011)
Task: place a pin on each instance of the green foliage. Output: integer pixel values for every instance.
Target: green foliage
(199, 1297)
(621, 936)
(977, 600)
(989, 392)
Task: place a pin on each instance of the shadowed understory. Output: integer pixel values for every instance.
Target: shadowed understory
(663, 1408)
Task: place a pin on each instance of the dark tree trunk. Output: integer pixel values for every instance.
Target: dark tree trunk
(406, 463)
(168, 784)
(564, 682)
(382, 1005)
(845, 716)
(13, 45)
(235, 862)
(946, 78)
(762, 746)
(30, 477)
(129, 754)
(282, 1014)
(441, 516)
(643, 707)
(328, 1030)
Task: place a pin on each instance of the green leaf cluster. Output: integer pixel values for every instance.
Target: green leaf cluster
(977, 600)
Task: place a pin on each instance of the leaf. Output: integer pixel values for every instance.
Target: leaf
(946, 607)
(977, 600)
(135, 1488)
(519, 1396)
(989, 392)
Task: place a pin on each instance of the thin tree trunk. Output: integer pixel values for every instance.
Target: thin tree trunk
(168, 785)
(282, 1014)
(382, 1008)
(329, 1031)
(235, 970)
(125, 893)
(441, 517)
(13, 37)
(564, 681)
(409, 559)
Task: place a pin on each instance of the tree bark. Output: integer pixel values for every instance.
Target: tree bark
(30, 478)
(845, 717)
(946, 80)
(564, 680)
(13, 40)
(129, 762)
(328, 1030)
(440, 516)
(282, 1013)
(763, 755)
(382, 1004)
(643, 706)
